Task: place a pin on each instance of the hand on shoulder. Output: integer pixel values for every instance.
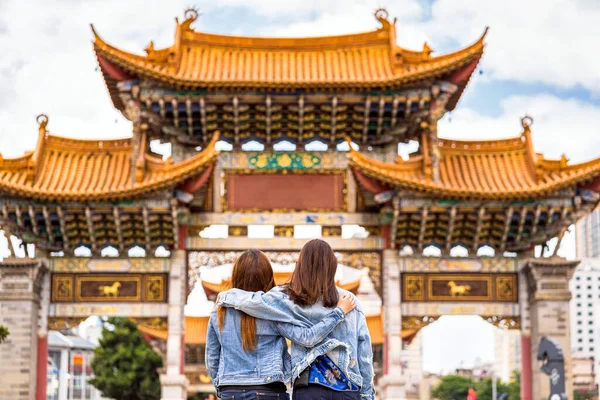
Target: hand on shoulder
(347, 302)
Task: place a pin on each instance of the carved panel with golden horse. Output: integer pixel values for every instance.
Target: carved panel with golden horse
(108, 288)
(459, 287)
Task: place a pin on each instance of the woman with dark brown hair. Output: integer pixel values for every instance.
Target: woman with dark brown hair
(247, 358)
(341, 365)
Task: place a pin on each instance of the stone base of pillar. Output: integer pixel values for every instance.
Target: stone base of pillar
(392, 387)
(174, 387)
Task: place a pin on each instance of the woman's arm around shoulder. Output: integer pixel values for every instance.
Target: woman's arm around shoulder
(273, 305)
(311, 336)
(213, 347)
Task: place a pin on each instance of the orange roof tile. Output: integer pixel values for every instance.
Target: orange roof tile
(375, 325)
(196, 328)
(363, 60)
(491, 169)
(73, 169)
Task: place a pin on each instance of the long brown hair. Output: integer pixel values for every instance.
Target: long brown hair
(314, 276)
(252, 272)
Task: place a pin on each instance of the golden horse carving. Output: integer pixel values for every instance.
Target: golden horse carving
(458, 290)
(112, 290)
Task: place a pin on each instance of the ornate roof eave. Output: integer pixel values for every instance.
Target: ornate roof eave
(395, 175)
(24, 184)
(404, 71)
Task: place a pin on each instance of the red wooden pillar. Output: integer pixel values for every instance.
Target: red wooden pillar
(182, 369)
(526, 368)
(42, 367)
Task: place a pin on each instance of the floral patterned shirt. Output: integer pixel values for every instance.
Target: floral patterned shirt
(324, 372)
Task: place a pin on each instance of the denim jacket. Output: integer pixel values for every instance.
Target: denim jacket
(348, 345)
(228, 364)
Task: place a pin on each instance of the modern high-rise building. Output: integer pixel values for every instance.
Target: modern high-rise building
(508, 352)
(587, 232)
(585, 317)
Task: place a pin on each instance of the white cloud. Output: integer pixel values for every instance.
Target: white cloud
(456, 341)
(355, 16)
(535, 41)
(549, 41)
(561, 126)
(313, 9)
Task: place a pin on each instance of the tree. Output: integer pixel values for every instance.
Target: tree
(456, 387)
(484, 389)
(124, 365)
(452, 387)
(3, 333)
(514, 387)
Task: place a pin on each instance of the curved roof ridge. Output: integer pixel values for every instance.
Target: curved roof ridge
(104, 45)
(55, 141)
(469, 167)
(412, 56)
(287, 43)
(15, 161)
(58, 165)
(199, 60)
(462, 145)
(562, 164)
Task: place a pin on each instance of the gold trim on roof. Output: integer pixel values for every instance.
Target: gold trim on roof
(362, 60)
(62, 169)
(492, 169)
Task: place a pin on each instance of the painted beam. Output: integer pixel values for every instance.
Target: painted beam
(69, 310)
(280, 243)
(298, 218)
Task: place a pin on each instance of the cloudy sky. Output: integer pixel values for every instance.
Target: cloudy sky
(541, 60)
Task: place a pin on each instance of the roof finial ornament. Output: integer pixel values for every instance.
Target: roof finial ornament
(427, 50)
(564, 161)
(150, 48)
(191, 14)
(382, 16)
(42, 121)
(527, 121)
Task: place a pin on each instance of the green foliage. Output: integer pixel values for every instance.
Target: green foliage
(584, 394)
(3, 333)
(124, 365)
(452, 387)
(456, 387)
(514, 387)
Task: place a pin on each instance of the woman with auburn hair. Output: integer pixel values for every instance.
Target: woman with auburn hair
(341, 365)
(247, 358)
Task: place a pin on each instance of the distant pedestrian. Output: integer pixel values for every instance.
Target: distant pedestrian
(472, 394)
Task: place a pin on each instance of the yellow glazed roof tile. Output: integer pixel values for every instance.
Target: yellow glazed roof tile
(493, 169)
(370, 59)
(62, 169)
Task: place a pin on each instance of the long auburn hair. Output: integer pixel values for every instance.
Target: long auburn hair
(252, 272)
(314, 276)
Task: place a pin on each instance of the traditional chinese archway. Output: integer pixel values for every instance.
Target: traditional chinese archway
(71, 194)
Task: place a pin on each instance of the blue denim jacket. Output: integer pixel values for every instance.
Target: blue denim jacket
(228, 364)
(348, 345)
